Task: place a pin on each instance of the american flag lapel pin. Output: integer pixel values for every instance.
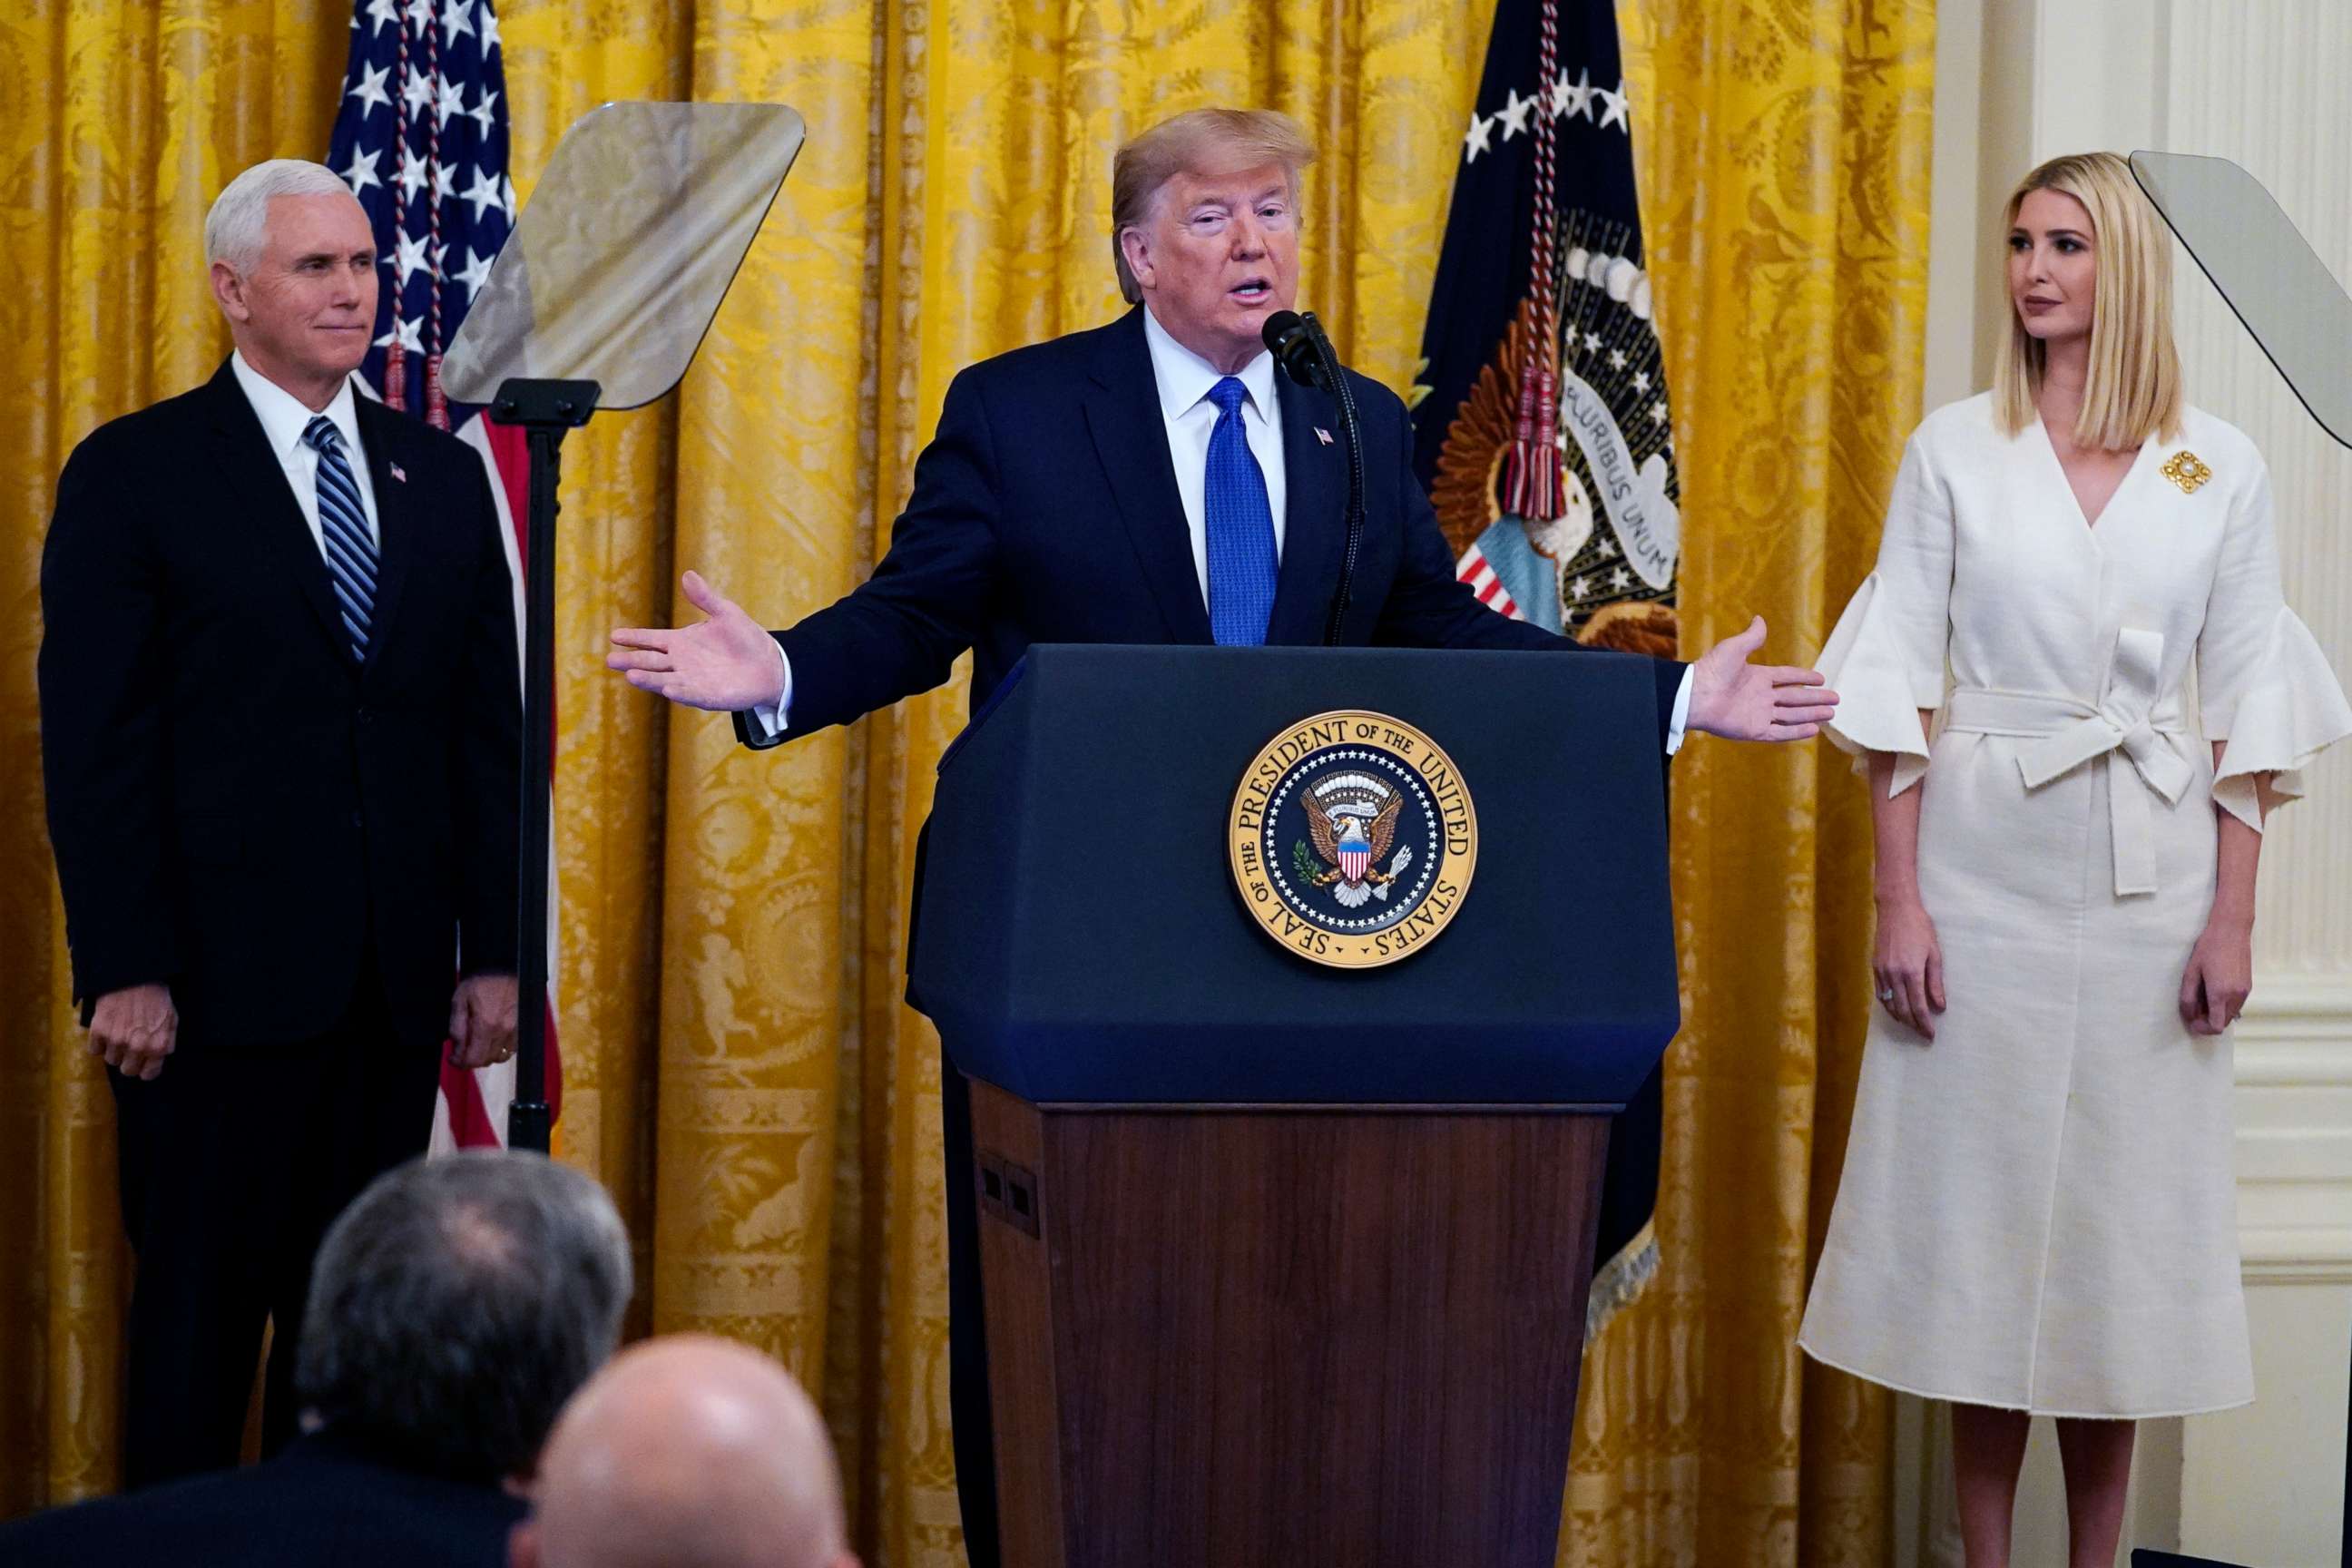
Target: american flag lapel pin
(1322, 434)
(399, 473)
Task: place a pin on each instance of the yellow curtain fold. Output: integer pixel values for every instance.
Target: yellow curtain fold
(1783, 164)
(740, 1069)
(118, 123)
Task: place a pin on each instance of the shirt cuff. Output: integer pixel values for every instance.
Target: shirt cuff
(769, 717)
(1674, 725)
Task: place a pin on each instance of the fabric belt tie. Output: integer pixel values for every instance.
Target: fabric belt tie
(2065, 732)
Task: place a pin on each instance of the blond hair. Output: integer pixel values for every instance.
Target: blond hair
(2132, 391)
(1207, 142)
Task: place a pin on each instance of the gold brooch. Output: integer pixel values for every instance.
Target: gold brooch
(2184, 468)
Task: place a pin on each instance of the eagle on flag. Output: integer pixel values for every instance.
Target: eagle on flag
(1541, 429)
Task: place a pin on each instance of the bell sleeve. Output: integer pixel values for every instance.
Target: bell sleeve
(1887, 658)
(2263, 685)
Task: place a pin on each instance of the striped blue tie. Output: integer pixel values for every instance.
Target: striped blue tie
(344, 531)
(1239, 522)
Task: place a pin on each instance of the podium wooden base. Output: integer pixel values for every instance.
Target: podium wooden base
(1290, 1337)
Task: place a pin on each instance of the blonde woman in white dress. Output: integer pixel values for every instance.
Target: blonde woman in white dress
(2079, 575)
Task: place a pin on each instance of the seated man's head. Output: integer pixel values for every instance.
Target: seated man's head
(686, 1452)
(454, 1307)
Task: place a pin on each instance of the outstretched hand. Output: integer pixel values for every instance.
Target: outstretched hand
(1744, 701)
(725, 663)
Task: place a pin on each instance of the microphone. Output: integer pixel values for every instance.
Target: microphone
(1305, 353)
(1291, 337)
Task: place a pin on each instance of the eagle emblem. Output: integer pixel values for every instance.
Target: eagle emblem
(1351, 839)
(1352, 821)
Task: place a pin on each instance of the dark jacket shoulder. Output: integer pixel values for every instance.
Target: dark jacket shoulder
(1119, 348)
(129, 436)
(1055, 361)
(212, 401)
(319, 1501)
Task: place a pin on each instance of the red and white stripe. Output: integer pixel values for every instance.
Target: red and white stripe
(1474, 569)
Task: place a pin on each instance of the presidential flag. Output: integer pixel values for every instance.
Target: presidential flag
(1540, 422)
(1541, 427)
(421, 139)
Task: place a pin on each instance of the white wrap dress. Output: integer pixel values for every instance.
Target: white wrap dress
(2037, 1209)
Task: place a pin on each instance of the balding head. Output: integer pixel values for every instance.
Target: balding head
(688, 1452)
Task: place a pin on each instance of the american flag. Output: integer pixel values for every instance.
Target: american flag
(421, 139)
(1474, 569)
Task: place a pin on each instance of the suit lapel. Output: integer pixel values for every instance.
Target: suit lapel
(260, 479)
(1314, 527)
(395, 521)
(1131, 437)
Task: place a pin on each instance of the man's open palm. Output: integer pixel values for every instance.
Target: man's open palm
(727, 663)
(1744, 701)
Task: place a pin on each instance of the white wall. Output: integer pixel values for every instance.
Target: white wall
(2268, 83)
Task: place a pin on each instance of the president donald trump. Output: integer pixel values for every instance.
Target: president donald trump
(1153, 480)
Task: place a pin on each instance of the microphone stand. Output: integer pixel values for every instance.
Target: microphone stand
(1305, 352)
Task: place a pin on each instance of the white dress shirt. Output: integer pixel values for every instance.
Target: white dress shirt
(283, 419)
(1184, 379)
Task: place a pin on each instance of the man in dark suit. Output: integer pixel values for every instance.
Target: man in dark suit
(1155, 480)
(280, 737)
(456, 1305)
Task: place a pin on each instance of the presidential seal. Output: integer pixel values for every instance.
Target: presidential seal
(1352, 839)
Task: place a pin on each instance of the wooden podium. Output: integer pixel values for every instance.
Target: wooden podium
(1287, 1265)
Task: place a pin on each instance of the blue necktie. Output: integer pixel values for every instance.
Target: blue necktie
(343, 532)
(1239, 523)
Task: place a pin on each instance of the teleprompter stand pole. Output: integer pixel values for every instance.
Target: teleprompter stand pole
(545, 410)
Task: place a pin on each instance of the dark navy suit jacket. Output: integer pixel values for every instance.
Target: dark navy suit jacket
(238, 809)
(322, 1501)
(1045, 510)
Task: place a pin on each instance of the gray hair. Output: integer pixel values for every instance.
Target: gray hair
(236, 230)
(456, 1304)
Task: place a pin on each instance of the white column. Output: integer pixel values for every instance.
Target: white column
(2265, 83)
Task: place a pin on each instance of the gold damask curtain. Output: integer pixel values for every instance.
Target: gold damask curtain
(1784, 178)
(741, 1073)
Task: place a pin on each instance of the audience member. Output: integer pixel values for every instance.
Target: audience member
(688, 1452)
(455, 1306)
